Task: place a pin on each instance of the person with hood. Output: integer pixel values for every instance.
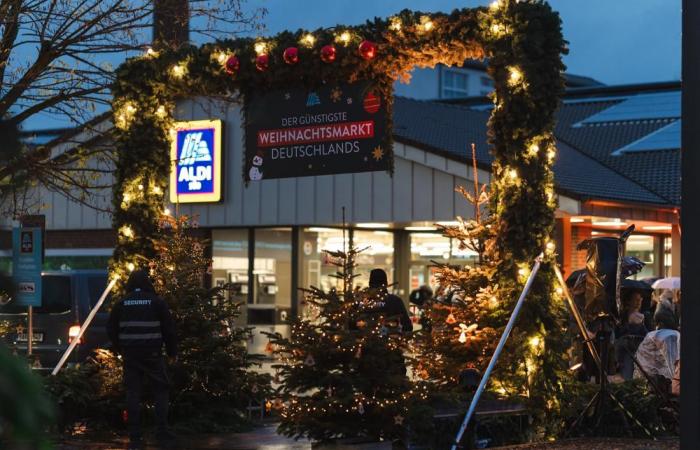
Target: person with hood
(138, 326)
(389, 305)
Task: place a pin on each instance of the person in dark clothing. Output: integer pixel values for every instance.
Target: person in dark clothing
(138, 327)
(388, 304)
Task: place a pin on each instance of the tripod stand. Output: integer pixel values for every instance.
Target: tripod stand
(597, 405)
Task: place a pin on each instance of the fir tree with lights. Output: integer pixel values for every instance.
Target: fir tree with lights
(212, 380)
(343, 370)
(461, 319)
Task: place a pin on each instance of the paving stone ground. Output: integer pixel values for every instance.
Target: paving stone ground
(265, 438)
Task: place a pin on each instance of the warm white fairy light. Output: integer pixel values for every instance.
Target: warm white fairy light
(495, 4)
(130, 266)
(515, 77)
(533, 149)
(126, 231)
(535, 342)
(178, 70)
(161, 112)
(551, 246)
(395, 24)
(166, 211)
(344, 37)
(497, 29)
(427, 23)
(157, 190)
(551, 154)
(150, 53)
(308, 40)
(513, 174)
(260, 48)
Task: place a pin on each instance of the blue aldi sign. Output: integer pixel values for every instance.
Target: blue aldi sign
(196, 152)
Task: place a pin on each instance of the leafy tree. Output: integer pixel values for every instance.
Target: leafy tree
(56, 61)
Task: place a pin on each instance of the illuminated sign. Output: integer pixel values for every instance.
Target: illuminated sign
(196, 162)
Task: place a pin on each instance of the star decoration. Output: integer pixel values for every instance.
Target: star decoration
(398, 419)
(287, 96)
(377, 153)
(366, 159)
(336, 94)
(349, 100)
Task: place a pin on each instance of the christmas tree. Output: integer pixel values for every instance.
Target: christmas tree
(469, 313)
(343, 371)
(212, 380)
(461, 318)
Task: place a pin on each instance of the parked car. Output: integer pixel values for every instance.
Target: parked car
(67, 298)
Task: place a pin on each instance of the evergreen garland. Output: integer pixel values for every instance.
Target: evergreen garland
(523, 43)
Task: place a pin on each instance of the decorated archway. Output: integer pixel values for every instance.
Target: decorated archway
(523, 43)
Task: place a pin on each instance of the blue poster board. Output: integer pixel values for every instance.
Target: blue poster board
(26, 266)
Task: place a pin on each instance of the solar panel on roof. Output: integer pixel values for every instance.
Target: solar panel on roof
(660, 105)
(665, 138)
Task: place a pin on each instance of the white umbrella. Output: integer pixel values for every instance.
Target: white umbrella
(667, 283)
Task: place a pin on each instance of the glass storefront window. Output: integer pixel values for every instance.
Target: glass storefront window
(641, 246)
(317, 269)
(429, 247)
(378, 254)
(273, 267)
(230, 262)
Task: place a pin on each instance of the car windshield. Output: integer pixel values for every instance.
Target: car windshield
(55, 297)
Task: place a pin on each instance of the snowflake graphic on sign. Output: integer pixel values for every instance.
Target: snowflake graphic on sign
(194, 149)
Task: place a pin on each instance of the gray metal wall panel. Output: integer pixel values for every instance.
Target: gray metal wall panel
(306, 200)
(382, 210)
(422, 192)
(324, 199)
(287, 200)
(443, 202)
(402, 184)
(362, 197)
(251, 204)
(343, 194)
(269, 208)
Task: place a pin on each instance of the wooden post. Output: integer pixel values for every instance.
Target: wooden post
(171, 23)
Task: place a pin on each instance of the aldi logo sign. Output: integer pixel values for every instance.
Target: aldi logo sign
(196, 154)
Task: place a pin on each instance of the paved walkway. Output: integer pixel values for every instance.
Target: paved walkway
(263, 438)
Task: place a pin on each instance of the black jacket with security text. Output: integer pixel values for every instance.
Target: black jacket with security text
(141, 322)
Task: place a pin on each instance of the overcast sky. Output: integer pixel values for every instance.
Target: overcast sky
(614, 41)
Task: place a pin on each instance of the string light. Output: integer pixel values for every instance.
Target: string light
(513, 174)
(150, 53)
(497, 29)
(551, 246)
(427, 23)
(308, 40)
(395, 24)
(516, 76)
(533, 149)
(131, 267)
(495, 4)
(260, 48)
(166, 211)
(344, 38)
(551, 154)
(126, 231)
(161, 112)
(157, 190)
(178, 70)
(535, 342)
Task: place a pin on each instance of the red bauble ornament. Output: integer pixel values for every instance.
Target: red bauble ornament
(371, 103)
(232, 65)
(262, 62)
(368, 49)
(328, 53)
(291, 55)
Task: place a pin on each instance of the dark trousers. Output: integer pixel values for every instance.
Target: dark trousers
(138, 368)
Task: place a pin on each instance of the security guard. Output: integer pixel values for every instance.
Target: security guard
(138, 327)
